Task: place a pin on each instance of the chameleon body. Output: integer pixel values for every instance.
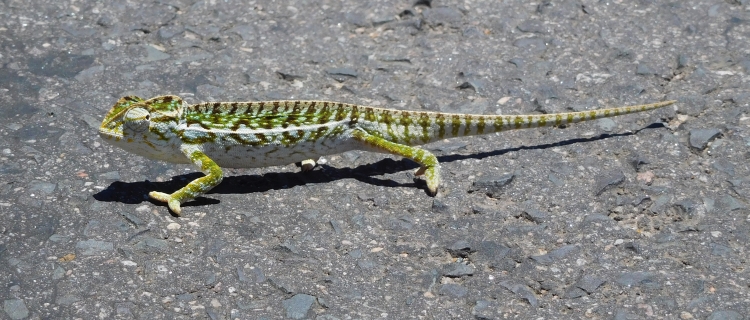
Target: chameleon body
(269, 133)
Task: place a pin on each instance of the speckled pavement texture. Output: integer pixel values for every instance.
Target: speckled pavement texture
(643, 216)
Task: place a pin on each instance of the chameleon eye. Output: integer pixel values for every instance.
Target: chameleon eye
(136, 120)
(137, 114)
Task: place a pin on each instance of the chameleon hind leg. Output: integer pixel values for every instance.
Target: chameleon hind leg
(307, 165)
(213, 176)
(429, 165)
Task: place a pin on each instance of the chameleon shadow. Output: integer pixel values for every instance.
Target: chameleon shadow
(604, 136)
(137, 192)
(406, 164)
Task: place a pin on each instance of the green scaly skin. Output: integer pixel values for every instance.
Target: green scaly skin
(267, 133)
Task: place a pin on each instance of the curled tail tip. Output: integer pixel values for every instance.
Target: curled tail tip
(664, 103)
(655, 105)
(668, 102)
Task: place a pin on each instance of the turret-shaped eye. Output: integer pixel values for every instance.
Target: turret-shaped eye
(136, 120)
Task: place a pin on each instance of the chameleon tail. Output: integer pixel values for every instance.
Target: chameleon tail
(457, 125)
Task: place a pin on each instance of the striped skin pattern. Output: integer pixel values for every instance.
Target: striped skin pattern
(269, 133)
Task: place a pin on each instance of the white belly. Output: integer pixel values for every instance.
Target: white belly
(234, 155)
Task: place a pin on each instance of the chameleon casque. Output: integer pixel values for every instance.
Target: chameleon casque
(269, 133)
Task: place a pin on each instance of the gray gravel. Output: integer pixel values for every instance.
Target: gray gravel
(699, 138)
(636, 217)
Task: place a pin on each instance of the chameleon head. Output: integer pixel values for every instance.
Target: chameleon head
(144, 127)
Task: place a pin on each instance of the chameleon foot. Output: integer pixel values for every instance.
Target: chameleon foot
(308, 165)
(197, 187)
(173, 203)
(432, 177)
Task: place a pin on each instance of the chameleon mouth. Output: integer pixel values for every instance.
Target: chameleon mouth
(110, 134)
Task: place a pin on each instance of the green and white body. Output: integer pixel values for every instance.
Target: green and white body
(270, 133)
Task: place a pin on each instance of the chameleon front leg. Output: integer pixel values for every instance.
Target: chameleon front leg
(429, 165)
(213, 176)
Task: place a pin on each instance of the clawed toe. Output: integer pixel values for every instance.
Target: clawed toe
(173, 203)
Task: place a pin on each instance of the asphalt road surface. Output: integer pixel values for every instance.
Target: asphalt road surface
(642, 216)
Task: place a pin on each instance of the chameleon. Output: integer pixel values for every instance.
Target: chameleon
(213, 135)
